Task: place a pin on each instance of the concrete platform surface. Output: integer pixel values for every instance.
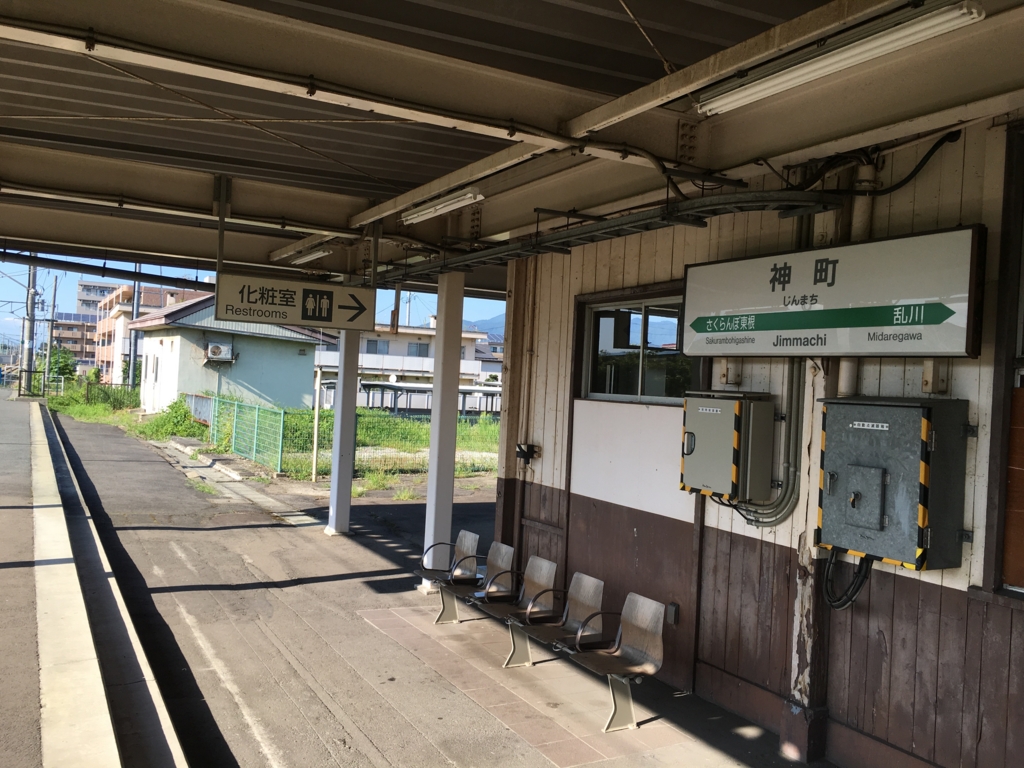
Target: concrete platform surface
(275, 645)
(19, 656)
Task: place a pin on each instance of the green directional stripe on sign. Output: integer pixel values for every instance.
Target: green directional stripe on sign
(820, 319)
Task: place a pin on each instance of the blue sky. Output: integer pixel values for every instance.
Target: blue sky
(14, 276)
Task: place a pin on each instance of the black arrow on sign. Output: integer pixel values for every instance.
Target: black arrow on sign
(358, 307)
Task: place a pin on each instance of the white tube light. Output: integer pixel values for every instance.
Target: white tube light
(304, 258)
(876, 46)
(455, 200)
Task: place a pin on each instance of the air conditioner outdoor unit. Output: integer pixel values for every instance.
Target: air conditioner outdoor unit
(221, 352)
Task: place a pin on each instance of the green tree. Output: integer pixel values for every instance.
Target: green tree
(93, 376)
(138, 371)
(63, 362)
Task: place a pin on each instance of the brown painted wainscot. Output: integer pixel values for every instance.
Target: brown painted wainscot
(918, 674)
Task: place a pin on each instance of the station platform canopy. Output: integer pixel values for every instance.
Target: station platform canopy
(345, 134)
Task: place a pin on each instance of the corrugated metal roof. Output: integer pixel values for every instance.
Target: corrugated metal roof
(179, 120)
(203, 317)
(592, 44)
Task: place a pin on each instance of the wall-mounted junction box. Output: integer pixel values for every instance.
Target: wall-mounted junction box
(892, 480)
(727, 445)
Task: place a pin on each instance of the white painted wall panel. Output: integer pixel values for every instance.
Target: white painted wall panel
(628, 454)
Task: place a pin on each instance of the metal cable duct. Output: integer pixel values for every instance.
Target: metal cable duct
(775, 512)
(693, 212)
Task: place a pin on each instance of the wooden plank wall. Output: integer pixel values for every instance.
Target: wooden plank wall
(1013, 534)
(915, 663)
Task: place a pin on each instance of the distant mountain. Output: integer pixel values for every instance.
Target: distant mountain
(490, 325)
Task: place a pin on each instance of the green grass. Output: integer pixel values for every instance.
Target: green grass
(358, 491)
(385, 430)
(405, 494)
(261, 479)
(176, 421)
(300, 466)
(96, 413)
(379, 481)
(202, 487)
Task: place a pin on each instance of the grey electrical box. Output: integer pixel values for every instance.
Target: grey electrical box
(892, 480)
(727, 445)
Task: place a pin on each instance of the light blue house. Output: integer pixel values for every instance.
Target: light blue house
(185, 350)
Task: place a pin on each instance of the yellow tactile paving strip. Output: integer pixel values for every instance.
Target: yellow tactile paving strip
(554, 705)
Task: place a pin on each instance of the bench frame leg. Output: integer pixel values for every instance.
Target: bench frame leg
(521, 655)
(449, 608)
(623, 716)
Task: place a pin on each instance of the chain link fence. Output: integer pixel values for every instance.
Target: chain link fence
(252, 431)
(385, 442)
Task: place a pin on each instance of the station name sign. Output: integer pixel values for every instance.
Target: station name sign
(242, 298)
(915, 296)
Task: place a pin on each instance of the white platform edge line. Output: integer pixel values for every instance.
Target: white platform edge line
(75, 724)
(171, 736)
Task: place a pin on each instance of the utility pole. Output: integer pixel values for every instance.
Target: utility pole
(133, 350)
(49, 341)
(28, 351)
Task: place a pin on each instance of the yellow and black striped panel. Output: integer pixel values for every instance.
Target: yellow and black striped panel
(921, 560)
(737, 427)
(924, 481)
(821, 475)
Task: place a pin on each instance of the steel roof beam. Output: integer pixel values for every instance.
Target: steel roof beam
(246, 47)
(107, 272)
(787, 36)
(803, 30)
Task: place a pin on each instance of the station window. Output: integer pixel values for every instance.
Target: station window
(377, 346)
(633, 352)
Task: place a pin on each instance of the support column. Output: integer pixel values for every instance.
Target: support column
(444, 416)
(133, 344)
(343, 449)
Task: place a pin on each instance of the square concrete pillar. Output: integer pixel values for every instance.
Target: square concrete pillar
(444, 416)
(343, 448)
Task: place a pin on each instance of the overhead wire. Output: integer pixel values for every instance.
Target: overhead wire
(668, 65)
(511, 127)
(254, 126)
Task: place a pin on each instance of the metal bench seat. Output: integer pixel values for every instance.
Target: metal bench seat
(462, 565)
(535, 592)
(539, 622)
(464, 587)
(637, 651)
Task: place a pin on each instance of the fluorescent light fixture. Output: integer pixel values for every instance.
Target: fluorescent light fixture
(316, 253)
(861, 49)
(450, 202)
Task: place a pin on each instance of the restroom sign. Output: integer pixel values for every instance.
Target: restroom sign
(904, 297)
(289, 302)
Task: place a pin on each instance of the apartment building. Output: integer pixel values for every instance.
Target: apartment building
(90, 294)
(113, 338)
(77, 333)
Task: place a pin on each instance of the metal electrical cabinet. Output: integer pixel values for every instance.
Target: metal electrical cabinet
(892, 480)
(727, 445)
